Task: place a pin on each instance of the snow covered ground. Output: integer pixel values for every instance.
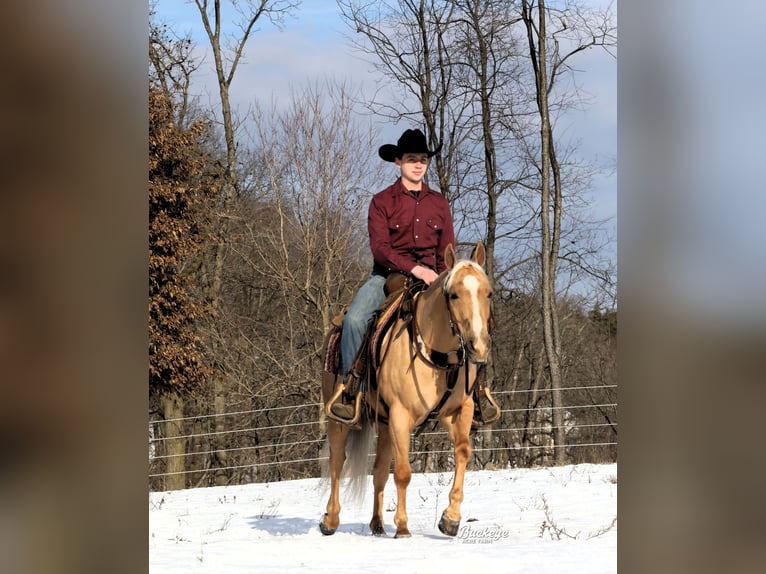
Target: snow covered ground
(545, 520)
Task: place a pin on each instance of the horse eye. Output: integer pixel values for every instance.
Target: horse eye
(453, 296)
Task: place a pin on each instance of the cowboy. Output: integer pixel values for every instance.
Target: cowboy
(410, 226)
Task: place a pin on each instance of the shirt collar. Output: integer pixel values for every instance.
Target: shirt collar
(401, 188)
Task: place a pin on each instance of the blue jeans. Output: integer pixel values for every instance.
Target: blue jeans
(367, 300)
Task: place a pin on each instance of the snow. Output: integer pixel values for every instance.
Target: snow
(543, 520)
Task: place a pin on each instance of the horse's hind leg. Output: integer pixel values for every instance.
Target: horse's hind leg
(400, 438)
(337, 434)
(380, 472)
(459, 427)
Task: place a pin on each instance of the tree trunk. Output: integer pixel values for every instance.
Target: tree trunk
(175, 448)
(549, 236)
(219, 456)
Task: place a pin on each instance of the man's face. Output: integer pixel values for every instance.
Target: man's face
(413, 166)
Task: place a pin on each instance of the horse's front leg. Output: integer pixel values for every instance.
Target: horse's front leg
(459, 428)
(379, 478)
(401, 427)
(337, 434)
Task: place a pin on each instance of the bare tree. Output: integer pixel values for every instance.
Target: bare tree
(297, 252)
(547, 67)
(483, 54)
(171, 67)
(408, 40)
(320, 169)
(227, 55)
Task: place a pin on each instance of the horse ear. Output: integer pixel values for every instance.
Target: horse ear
(449, 256)
(479, 254)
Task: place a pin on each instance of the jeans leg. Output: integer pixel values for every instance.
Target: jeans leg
(367, 300)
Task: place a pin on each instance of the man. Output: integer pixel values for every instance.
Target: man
(410, 226)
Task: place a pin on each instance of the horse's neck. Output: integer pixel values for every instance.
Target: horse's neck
(432, 316)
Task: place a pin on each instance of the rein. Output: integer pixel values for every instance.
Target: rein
(449, 361)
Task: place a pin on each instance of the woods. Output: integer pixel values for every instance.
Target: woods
(258, 233)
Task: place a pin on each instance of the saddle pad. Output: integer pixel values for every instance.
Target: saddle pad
(332, 353)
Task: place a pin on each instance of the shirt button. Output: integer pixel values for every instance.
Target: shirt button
(416, 236)
(418, 220)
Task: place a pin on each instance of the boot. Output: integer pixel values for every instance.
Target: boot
(486, 410)
(346, 407)
(489, 410)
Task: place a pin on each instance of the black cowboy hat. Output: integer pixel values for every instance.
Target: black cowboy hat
(412, 141)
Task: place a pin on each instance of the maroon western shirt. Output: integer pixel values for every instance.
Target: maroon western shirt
(406, 231)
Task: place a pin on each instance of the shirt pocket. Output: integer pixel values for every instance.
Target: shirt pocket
(432, 230)
(400, 224)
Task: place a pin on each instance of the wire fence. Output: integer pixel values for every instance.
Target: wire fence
(288, 441)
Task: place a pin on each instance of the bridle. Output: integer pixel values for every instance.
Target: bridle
(444, 360)
(450, 361)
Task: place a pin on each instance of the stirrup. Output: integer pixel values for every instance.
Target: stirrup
(480, 422)
(354, 421)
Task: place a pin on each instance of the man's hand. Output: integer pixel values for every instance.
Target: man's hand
(426, 274)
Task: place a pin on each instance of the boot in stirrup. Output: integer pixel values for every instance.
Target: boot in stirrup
(487, 413)
(345, 405)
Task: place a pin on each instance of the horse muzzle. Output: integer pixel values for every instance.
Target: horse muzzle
(478, 350)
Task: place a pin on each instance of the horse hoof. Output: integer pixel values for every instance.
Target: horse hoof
(326, 530)
(377, 529)
(448, 526)
(403, 534)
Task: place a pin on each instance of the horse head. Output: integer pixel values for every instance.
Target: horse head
(468, 294)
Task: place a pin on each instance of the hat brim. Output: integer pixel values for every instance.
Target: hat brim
(389, 152)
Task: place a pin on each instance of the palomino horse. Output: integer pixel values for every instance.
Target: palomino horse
(423, 375)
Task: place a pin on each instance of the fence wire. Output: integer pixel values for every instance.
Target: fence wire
(296, 449)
